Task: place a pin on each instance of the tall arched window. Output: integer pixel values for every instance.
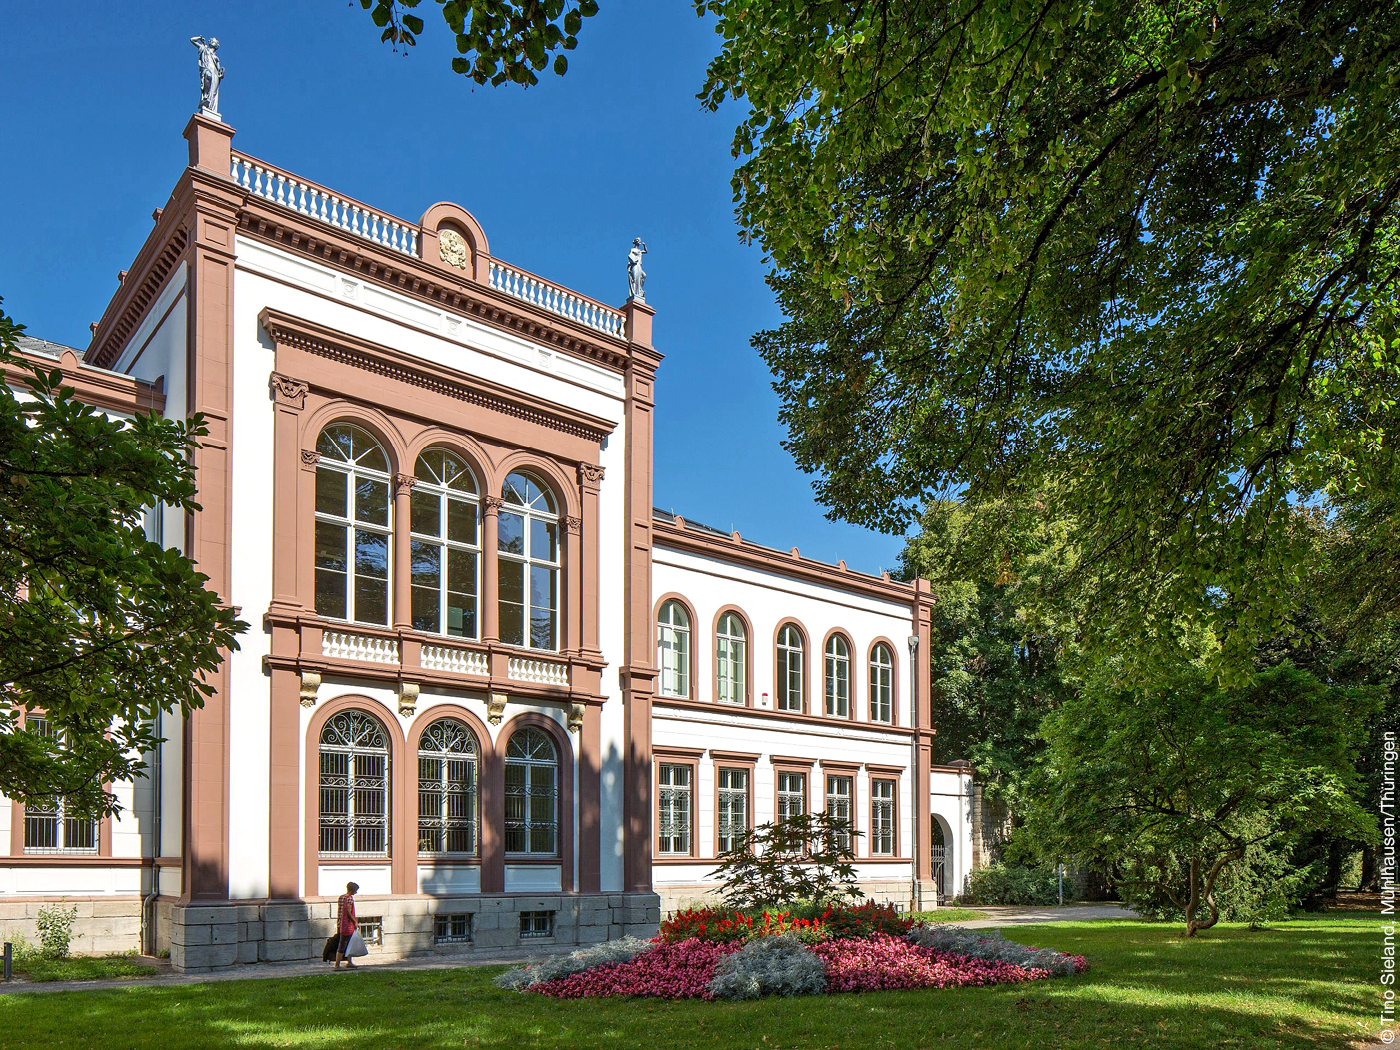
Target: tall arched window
(731, 644)
(789, 672)
(354, 785)
(527, 539)
(447, 788)
(838, 677)
(445, 548)
(673, 642)
(532, 793)
(352, 526)
(881, 684)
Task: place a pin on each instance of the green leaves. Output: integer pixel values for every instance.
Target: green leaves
(100, 626)
(501, 40)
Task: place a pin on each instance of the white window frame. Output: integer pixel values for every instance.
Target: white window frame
(837, 679)
(675, 808)
(791, 686)
(673, 648)
(542, 508)
(350, 469)
(882, 684)
(731, 660)
(429, 483)
(883, 798)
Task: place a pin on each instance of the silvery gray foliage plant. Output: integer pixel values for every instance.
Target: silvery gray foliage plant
(623, 950)
(990, 945)
(779, 965)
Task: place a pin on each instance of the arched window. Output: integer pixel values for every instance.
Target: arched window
(527, 540)
(354, 785)
(838, 677)
(352, 526)
(445, 548)
(447, 788)
(673, 641)
(731, 645)
(532, 793)
(789, 684)
(881, 684)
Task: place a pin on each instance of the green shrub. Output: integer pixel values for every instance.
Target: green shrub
(1012, 884)
(1262, 887)
(55, 926)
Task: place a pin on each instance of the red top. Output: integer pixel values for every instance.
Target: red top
(345, 915)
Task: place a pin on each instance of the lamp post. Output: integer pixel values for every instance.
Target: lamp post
(914, 772)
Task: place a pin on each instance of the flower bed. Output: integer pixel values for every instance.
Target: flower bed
(810, 924)
(738, 956)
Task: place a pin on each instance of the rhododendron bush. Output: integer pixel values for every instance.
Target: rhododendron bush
(711, 954)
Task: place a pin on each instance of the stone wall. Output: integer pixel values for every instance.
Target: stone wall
(101, 926)
(213, 937)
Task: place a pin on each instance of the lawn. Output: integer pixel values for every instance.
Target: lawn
(82, 967)
(950, 914)
(1305, 983)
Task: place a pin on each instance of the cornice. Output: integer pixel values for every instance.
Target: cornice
(92, 386)
(733, 548)
(332, 345)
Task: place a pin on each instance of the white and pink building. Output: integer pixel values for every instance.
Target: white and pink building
(485, 679)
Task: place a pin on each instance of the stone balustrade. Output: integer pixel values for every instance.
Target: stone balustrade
(550, 297)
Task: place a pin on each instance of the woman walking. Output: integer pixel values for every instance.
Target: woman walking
(346, 923)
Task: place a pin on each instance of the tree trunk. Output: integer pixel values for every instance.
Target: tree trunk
(1194, 899)
(1368, 870)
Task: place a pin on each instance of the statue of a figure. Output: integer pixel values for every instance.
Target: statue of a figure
(211, 71)
(636, 276)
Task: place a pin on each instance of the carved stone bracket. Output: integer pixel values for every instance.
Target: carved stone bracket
(310, 457)
(287, 391)
(408, 698)
(310, 682)
(572, 524)
(589, 473)
(403, 483)
(496, 707)
(575, 717)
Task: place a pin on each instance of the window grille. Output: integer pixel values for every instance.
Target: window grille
(882, 817)
(532, 793)
(449, 929)
(354, 786)
(792, 795)
(838, 807)
(447, 788)
(733, 816)
(49, 825)
(674, 808)
(535, 924)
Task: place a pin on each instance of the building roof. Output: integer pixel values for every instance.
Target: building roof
(34, 345)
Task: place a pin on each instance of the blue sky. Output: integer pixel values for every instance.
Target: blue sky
(561, 177)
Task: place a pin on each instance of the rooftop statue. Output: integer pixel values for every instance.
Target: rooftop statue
(636, 276)
(211, 71)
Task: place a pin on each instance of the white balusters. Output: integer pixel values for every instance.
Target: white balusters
(305, 199)
(545, 672)
(345, 646)
(556, 300)
(459, 661)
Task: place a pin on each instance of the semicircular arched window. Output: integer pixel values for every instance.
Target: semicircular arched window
(673, 648)
(353, 536)
(445, 548)
(791, 655)
(527, 545)
(532, 793)
(354, 785)
(448, 768)
(731, 659)
(881, 684)
(838, 677)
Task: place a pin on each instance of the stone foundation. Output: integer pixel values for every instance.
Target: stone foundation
(101, 926)
(213, 937)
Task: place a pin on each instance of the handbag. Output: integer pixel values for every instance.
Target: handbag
(356, 947)
(332, 946)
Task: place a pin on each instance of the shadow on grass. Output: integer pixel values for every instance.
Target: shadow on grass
(1296, 985)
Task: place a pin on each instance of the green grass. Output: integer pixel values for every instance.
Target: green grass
(35, 967)
(1304, 983)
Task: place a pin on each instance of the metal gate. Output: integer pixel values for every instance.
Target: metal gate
(940, 871)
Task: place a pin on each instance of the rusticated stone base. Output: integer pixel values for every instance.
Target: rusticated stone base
(207, 937)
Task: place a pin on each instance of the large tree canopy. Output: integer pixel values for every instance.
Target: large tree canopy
(100, 627)
(1133, 262)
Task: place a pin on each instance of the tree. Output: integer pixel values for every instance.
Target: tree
(497, 40)
(998, 668)
(808, 858)
(1135, 261)
(1176, 782)
(100, 627)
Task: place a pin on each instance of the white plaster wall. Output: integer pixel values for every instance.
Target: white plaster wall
(767, 598)
(612, 552)
(69, 881)
(950, 799)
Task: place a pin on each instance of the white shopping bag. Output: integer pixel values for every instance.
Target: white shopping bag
(356, 947)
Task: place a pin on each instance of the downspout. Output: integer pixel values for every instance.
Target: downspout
(148, 903)
(914, 900)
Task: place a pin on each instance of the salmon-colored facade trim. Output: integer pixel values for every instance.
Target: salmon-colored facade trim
(91, 386)
(692, 670)
(748, 656)
(565, 801)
